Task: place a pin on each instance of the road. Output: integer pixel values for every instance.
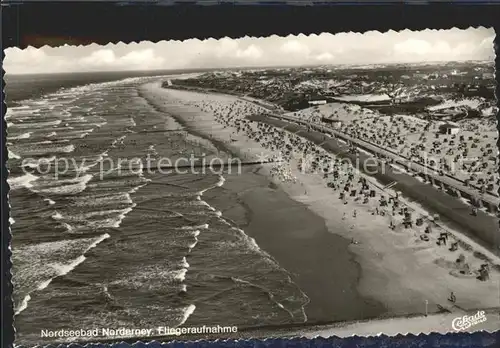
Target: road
(483, 228)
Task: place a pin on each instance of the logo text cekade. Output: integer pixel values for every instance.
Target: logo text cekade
(465, 322)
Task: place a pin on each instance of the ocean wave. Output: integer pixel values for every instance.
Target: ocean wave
(180, 275)
(52, 269)
(204, 226)
(27, 150)
(50, 201)
(250, 242)
(184, 262)
(23, 305)
(267, 291)
(187, 313)
(22, 181)
(36, 163)
(35, 124)
(95, 219)
(99, 200)
(22, 136)
(67, 187)
(12, 155)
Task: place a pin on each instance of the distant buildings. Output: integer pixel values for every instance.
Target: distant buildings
(317, 102)
(420, 75)
(335, 123)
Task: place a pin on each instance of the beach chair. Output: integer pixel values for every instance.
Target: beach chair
(444, 235)
(484, 274)
(441, 240)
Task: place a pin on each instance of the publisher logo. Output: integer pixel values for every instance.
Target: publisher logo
(465, 322)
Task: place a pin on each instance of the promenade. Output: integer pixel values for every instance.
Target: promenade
(457, 186)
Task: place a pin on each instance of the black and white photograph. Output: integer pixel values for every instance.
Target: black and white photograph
(308, 185)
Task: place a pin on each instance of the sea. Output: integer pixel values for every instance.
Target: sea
(100, 240)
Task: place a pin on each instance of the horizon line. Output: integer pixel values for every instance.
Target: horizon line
(195, 69)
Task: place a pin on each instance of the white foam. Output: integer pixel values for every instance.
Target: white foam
(113, 198)
(66, 268)
(184, 263)
(180, 275)
(11, 220)
(251, 243)
(22, 181)
(43, 284)
(50, 149)
(63, 269)
(221, 181)
(50, 201)
(192, 245)
(12, 155)
(78, 185)
(35, 163)
(68, 227)
(118, 141)
(24, 305)
(57, 216)
(204, 226)
(36, 124)
(114, 220)
(22, 136)
(187, 312)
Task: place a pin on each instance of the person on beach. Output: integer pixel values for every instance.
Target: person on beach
(452, 298)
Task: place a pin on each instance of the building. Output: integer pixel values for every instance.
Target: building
(317, 102)
(335, 123)
(449, 128)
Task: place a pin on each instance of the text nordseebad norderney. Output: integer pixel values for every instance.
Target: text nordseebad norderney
(134, 332)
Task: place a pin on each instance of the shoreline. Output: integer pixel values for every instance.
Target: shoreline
(304, 225)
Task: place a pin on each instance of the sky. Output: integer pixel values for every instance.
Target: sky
(324, 49)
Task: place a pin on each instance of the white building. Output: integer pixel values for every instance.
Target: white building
(317, 102)
(449, 128)
(335, 123)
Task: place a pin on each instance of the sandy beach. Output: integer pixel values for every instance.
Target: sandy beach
(397, 269)
(309, 243)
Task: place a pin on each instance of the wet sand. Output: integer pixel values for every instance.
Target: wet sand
(298, 239)
(396, 269)
(319, 261)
